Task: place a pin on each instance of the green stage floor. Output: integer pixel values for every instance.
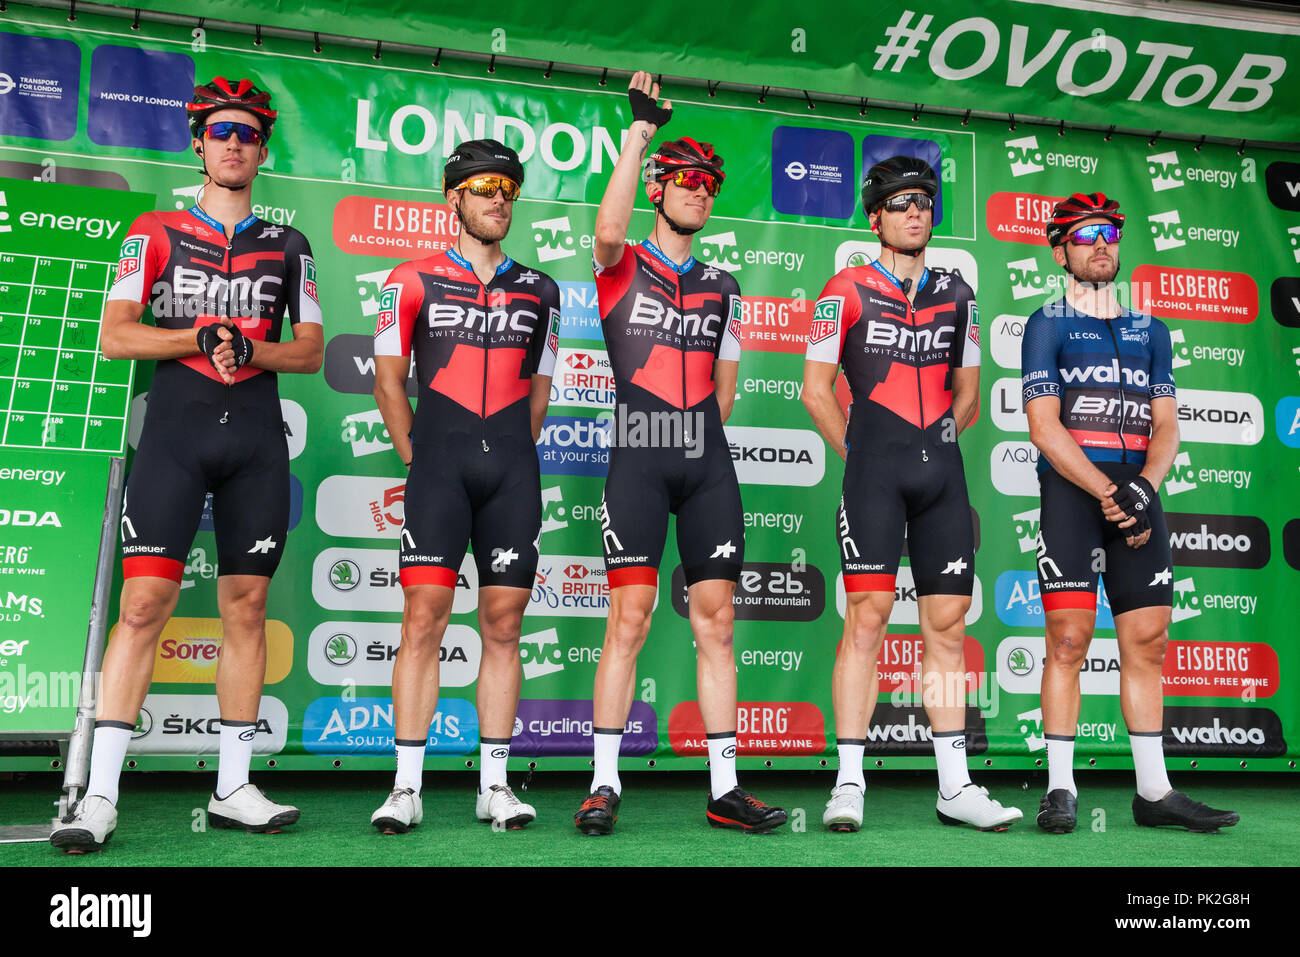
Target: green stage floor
(662, 823)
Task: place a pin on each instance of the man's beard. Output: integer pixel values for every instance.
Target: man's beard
(1099, 273)
(478, 226)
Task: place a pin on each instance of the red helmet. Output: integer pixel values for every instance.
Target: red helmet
(681, 154)
(222, 94)
(1077, 208)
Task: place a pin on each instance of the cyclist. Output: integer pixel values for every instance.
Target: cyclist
(675, 355)
(1098, 388)
(220, 283)
(908, 338)
(484, 331)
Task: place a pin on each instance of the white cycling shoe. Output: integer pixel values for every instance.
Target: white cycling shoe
(972, 805)
(402, 811)
(499, 805)
(844, 809)
(87, 827)
(247, 808)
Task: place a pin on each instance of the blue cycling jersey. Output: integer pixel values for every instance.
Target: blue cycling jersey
(1105, 373)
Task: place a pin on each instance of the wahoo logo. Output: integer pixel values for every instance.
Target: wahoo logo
(541, 653)
(1181, 475)
(825, 319)
(387, 309)
(1024, 155)
(1294, 232)
(132, 249)
(721, 251)
(1107, 374)
(1165, 171)
(1185, 600)
(1167, 230)
(1025, 278)
(554, 239)
(1026, 525)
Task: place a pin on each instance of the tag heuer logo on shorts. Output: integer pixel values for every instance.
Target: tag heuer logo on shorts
(387, 309)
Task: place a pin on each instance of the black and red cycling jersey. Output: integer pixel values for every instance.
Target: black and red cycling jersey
(665, 326)
(200, 436)
(898, 355)
(476, 347)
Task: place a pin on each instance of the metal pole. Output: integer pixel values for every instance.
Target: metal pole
(76, 772)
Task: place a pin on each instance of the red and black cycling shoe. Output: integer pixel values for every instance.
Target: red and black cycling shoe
(741, 810)
(598, 813)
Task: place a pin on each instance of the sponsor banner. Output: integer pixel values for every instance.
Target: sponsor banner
(1007, 338)
(812, 172)
(1282, 182)
(775, 324)
(1188, 294)
(355, 506)
(1099, 737)
(396, 229)
(361, 653)
(789, 457)
(570, 585)
(905, 729)
(191, 724)
(1008, 405)
(138, 97)
(554, 728)
(570, 445)
(906, 609)
(350, 365)
(1225, 418)
(762, 727)
(1014, 468)
(898, 666)
(188, 651)
(365, 433)
(1185, 476)
(1019, 217)
(1019, 603)
(1218, 541)
(580, 311)
(365, 726)
(1021, 659)
(1230, 732)
(366, 579)
(767, 591)
(1220, 669)
(583, 379)
(1286, 416)
(1284, 299)
(40, 83)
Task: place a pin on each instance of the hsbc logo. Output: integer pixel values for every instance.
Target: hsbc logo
(578, 360)
(554, 239)
(576, 571)
(1026, 157)
(720, 250)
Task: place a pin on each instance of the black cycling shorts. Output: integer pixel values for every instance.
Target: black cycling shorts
(456, 495)
(644, 486)
(888, 496)
(1076, 544)
(185, 452)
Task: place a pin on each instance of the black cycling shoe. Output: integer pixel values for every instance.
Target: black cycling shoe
(598, 813)
(1178, 809)
(1058, 811)
(741, 810)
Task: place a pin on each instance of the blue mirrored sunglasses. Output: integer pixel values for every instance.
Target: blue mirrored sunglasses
(223, 131)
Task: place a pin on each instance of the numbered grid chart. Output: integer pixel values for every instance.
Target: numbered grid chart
(56, 390)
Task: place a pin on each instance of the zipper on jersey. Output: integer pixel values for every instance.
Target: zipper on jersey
(230, 281)
(920, 400)
(1119, 380)
(681, 330)
(487, 332)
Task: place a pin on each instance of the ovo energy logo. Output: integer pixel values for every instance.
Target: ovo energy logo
(1026, 280)
(1167, 230)
(1026, 157)
(1294, 232)
(1167, 173)
(4, 213)
(721, 251)
(554, 239)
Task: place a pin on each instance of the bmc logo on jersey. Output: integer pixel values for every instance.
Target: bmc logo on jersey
(132, 249)
(826, 319)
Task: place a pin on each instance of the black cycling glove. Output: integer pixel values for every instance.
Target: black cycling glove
(1136, 498)
(644, 108)
(209, 341)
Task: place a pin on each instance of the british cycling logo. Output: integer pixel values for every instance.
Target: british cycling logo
(1168, 173)
(1169, 232)
(1025, 157)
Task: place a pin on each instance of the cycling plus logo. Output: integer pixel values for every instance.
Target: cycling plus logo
(554, 239)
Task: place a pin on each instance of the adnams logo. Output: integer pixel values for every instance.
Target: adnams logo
(1026, 157)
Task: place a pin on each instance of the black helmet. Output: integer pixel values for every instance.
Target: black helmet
(1075, 209)
(481, 156)
(222, 94)
(679, 154)
(891, 175)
